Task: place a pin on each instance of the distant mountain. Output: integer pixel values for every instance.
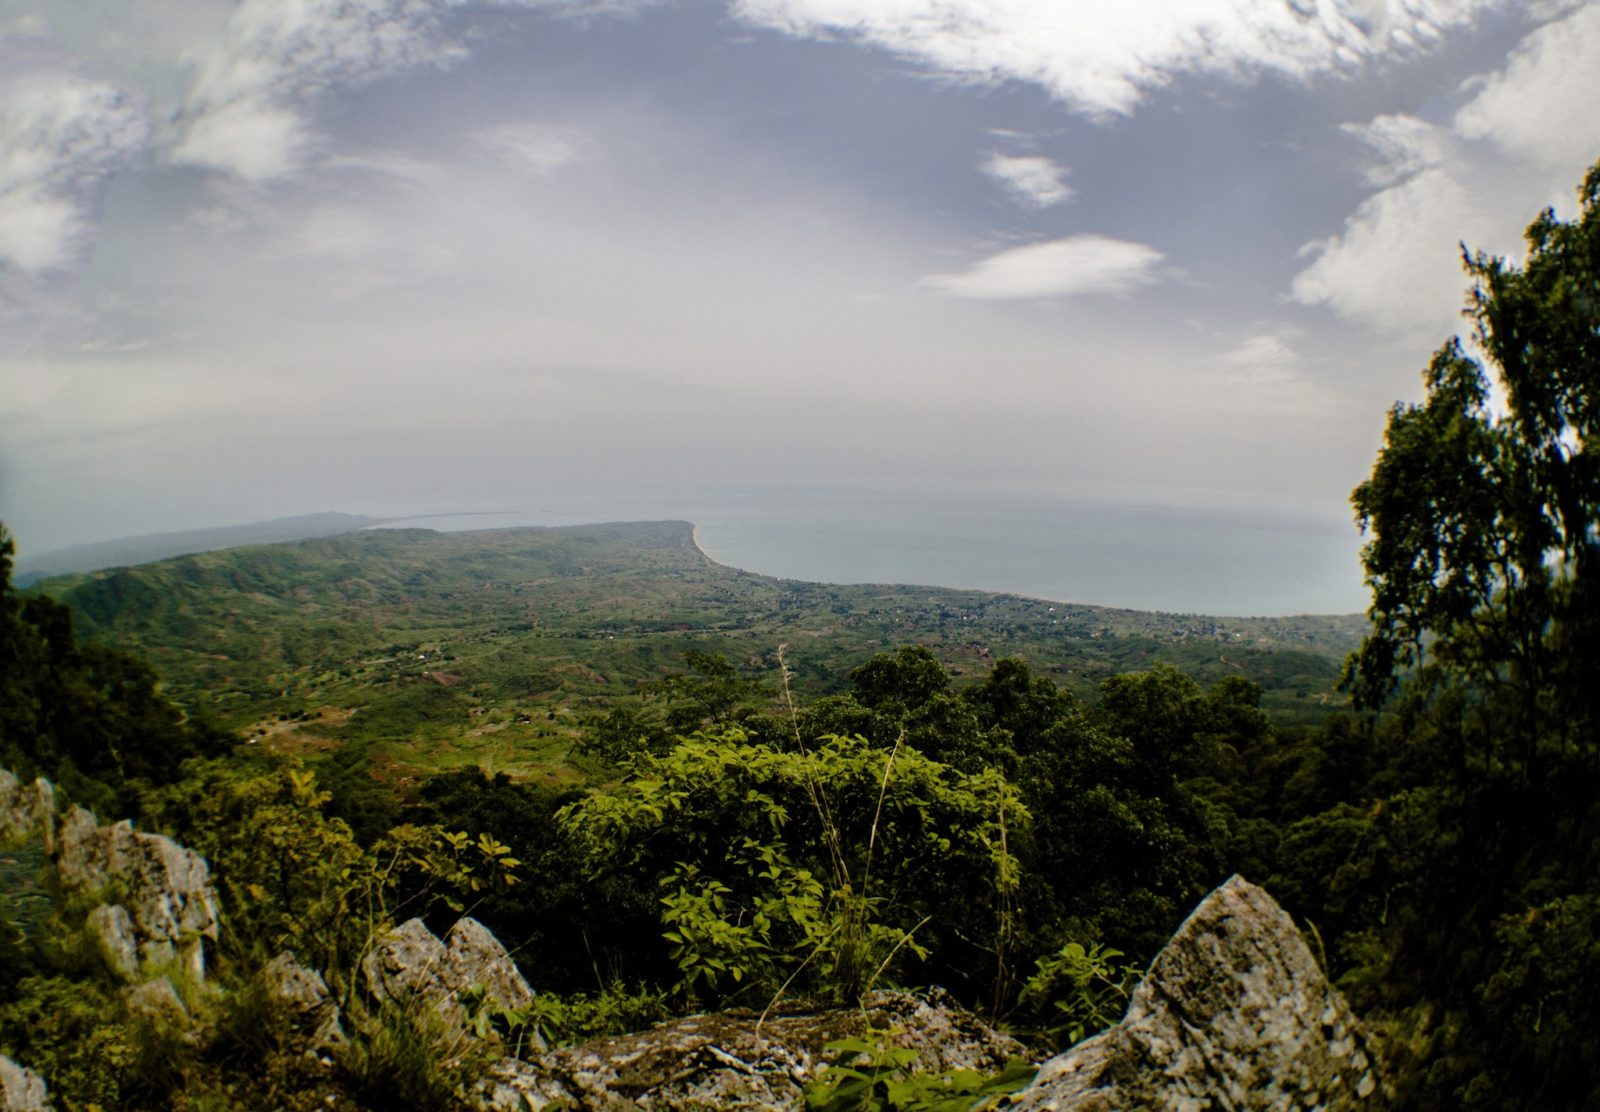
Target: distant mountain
(128, 551)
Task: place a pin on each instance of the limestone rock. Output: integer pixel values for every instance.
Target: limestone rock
(26, 811)
(474, 956)
(299, 997)
(410, 967)
(112, 928)
(406, 965)
(1234, 1015)
(23, 1090)
(157, 1002)
(722, 1061)
(165, 889)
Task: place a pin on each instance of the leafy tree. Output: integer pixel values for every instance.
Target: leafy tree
(1483, 517)
(830, 865)
(1484, 504)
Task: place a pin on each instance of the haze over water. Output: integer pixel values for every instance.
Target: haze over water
(1146, 557)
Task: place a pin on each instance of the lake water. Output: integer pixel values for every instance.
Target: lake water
(1145, 557)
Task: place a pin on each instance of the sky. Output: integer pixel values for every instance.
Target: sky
(394, 257)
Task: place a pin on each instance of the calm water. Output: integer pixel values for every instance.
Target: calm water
(1144, 557)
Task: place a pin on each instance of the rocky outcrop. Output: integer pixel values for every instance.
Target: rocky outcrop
(301, 1004)
(730, 1060)
(1234, 1015)
(164, 907)
(412, 969)
(22, 1089)
(26, 810)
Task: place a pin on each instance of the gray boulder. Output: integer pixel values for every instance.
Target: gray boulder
(158, 1003)
(299, 999)
(22, 1089)
(730, 1060)
(164, 889)
(410, 968)
(1234, 1015)
(112, 929)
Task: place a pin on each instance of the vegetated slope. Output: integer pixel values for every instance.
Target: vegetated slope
(489, 647)
(160, 546)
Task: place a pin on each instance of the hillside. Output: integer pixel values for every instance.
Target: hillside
(491, 647)
(160, 546)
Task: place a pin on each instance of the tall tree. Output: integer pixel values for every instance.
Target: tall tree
(1484, 504)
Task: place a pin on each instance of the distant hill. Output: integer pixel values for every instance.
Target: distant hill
(131, 551)
(492, 647)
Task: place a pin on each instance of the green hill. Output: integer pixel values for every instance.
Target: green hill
(491, 647)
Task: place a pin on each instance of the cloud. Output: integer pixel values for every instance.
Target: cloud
(62, 135)
(1542, 104)
(1405, 146)
(1102, 59)
(1070, 267)
(1034, 180)
(530, 148)
(1264, 377)
(246, 110)
(1521, 142)
(1396, 266)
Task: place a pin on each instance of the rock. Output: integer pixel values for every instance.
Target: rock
(723, 1061)
(23, 1090)
(26, 811)
(1234, 1015)
(406, 965)
(165, 889)
(158, 1003)
(474, 957)
(410, 967)
(300, 1000)
(112, 928)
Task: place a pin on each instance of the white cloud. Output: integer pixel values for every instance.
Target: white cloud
(61, 136)
(1264, 377)
(1070, 267)
(530, 148)
(1543, 104)
(1103, 58)
(1396, 266)
(1033, 179)
(1405, 146)
(246, 108)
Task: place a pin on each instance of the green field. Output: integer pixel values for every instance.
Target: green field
(433, 650)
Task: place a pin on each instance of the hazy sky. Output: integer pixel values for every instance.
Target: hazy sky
(395, 256)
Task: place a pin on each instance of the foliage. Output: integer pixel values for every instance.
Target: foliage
(69, 1030)
(564, 1020)
(819, 867)
(90, 717)
(1087, 986)
(1467, 890)
(289, 877)
(1483, 514)
(872, 1074)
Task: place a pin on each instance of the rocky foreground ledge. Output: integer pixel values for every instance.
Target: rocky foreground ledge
(1234, 1015)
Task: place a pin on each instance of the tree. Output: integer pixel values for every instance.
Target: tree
(1483, 514)
(1484, 503)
